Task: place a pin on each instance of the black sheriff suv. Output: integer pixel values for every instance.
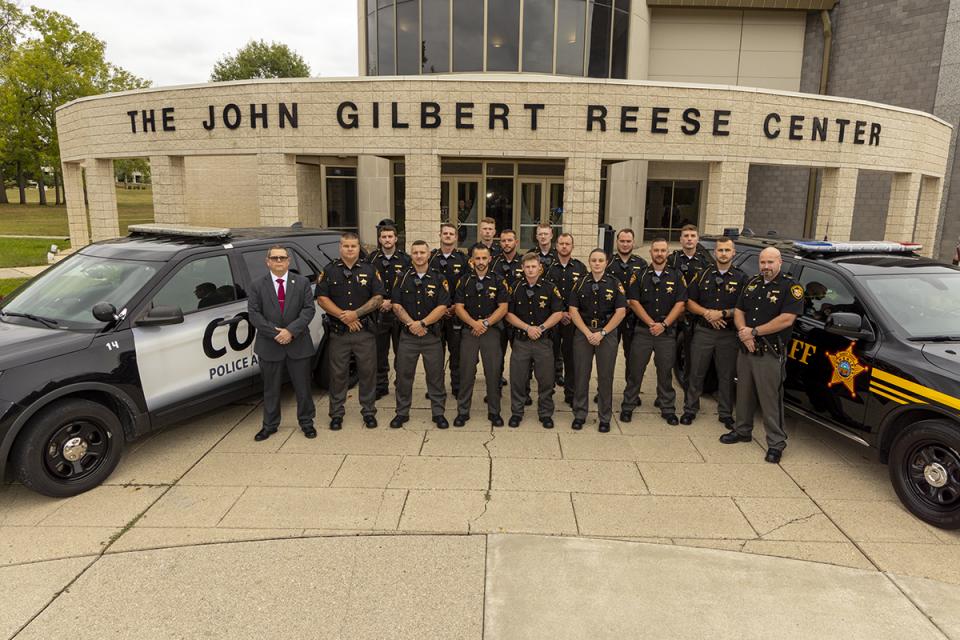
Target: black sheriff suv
(128, 335)
(876, 357)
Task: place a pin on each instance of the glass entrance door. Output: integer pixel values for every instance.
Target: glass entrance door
(670, 205)
(535, 208)
(458, 204)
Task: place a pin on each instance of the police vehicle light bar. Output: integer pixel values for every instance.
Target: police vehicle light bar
(159, 229)
(815, 246)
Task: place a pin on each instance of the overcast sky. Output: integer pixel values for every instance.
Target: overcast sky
(178, 42)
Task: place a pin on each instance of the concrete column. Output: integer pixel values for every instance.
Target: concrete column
(169, 176)
(838, 191)
(422, 198)
(928, 214)
(76, 207)
(638, 49)
(373, 195)
(726, 196)
(277, 189)
(902, 207)
(581, 203)
(310, 194)
(102, 199)
(626, 195)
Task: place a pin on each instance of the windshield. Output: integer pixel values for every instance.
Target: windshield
(924, 305)
(67, 292)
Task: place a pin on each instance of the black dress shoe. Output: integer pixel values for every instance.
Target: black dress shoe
(309, 432)
(495, 419)
(559, 379)
(733, 437)
(263, 434)
(687, 418)
(671, 419)
(577, 425)
(336, 424)
(382, 392)
(596, 398)
(503, 382)
(398, 421)
(461, 419)
(626, 416)
(773, 456)
(547, 423)
(726, 421)
(604, 427)
(528, 402)
(514, 421)
(370, 422)
(441, 422)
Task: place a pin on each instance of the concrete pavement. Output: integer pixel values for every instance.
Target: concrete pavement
(477, 532)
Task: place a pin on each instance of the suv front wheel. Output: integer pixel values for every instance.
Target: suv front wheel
(925, 471)
(67, 448)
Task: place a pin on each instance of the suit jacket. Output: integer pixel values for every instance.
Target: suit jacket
(298, 310)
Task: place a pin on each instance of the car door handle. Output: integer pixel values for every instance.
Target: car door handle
(229, 322)
(805, 327)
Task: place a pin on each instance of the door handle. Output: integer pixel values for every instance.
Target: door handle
(805, 327)
(232, 321)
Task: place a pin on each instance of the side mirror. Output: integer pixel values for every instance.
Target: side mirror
(159, 316)
(104, 312)
(849, 325)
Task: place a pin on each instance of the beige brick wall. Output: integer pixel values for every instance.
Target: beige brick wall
(221, 190)
(169, 177)
(838, 192)
(902, 210)
(76, 207)
(102, 200)
(310, 194)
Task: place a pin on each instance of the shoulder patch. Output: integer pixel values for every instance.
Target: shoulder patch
(796, 291)
(620, 287)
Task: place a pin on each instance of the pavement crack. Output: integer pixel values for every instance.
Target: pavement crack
(486, 496)
(788, 523)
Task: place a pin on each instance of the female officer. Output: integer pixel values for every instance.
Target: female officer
(597, 307)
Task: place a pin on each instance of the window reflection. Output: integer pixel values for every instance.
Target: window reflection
(372, 38)
(436, 36)
(599, 21)
(538, 36)
(467, 35)
(408, 37)
(503, 35)
(386, 62)
(571, 15)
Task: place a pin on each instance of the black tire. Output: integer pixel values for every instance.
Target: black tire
(925, 471)
(41, 455)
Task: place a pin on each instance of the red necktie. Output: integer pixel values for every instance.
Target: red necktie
(281, 295)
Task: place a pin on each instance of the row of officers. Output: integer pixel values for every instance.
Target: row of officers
(559, 317)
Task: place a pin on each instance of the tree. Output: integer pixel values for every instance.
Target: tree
(261, 60)
(56, 63)
(11, 26)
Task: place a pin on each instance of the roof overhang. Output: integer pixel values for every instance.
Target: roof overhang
(795, 5)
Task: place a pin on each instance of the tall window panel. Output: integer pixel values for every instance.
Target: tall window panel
(371, 37)
(386, 56)
(571, 15)
(621, 33)
(503, 35)
(408, 37)
(436, 36)
(467, 35)
(538, 36)
(598, 19)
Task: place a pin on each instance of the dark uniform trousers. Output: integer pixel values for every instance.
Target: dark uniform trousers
(363, 346)
(720, 346)
(760, 381)
(664, 350)
(410, 349)
(485, 348)
(537, 354)
(388, 333)
(450, 332)
(606, 355)
(627, 329)
(565, 334)
(299, 370)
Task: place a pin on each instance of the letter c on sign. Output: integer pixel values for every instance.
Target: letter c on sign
(233, 339)
(771, 117)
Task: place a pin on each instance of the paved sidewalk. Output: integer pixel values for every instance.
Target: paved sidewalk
(21, 272)
(364, 533)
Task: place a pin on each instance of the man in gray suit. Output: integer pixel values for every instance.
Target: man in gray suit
(281, 307)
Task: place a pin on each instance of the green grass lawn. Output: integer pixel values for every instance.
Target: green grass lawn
(6, 286)
(27, 252)
(133, 207)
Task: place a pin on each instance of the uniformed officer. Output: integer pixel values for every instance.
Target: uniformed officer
(690, 259)
(535, 308)
(481, 303)
(657, 297)
(350, 291)
(509, 266)
(766, 310)
(624, 267)
(486, 231)
(565, 273)
(544, 248)
(420, 301)
(712, 297)
(390, 262)
(451, 263)
(597, 306)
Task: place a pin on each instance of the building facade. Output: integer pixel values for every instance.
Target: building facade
(646, 115)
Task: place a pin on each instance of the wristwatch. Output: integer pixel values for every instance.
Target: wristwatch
(665, 327)
(542, 328)
(485, 323)
(603, 333)
(723, 314)
(754, 332)
(423, 324)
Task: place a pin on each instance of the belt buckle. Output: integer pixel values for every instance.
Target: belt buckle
(594, 323)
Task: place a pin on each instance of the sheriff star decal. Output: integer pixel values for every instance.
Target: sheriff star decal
(846, 368)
